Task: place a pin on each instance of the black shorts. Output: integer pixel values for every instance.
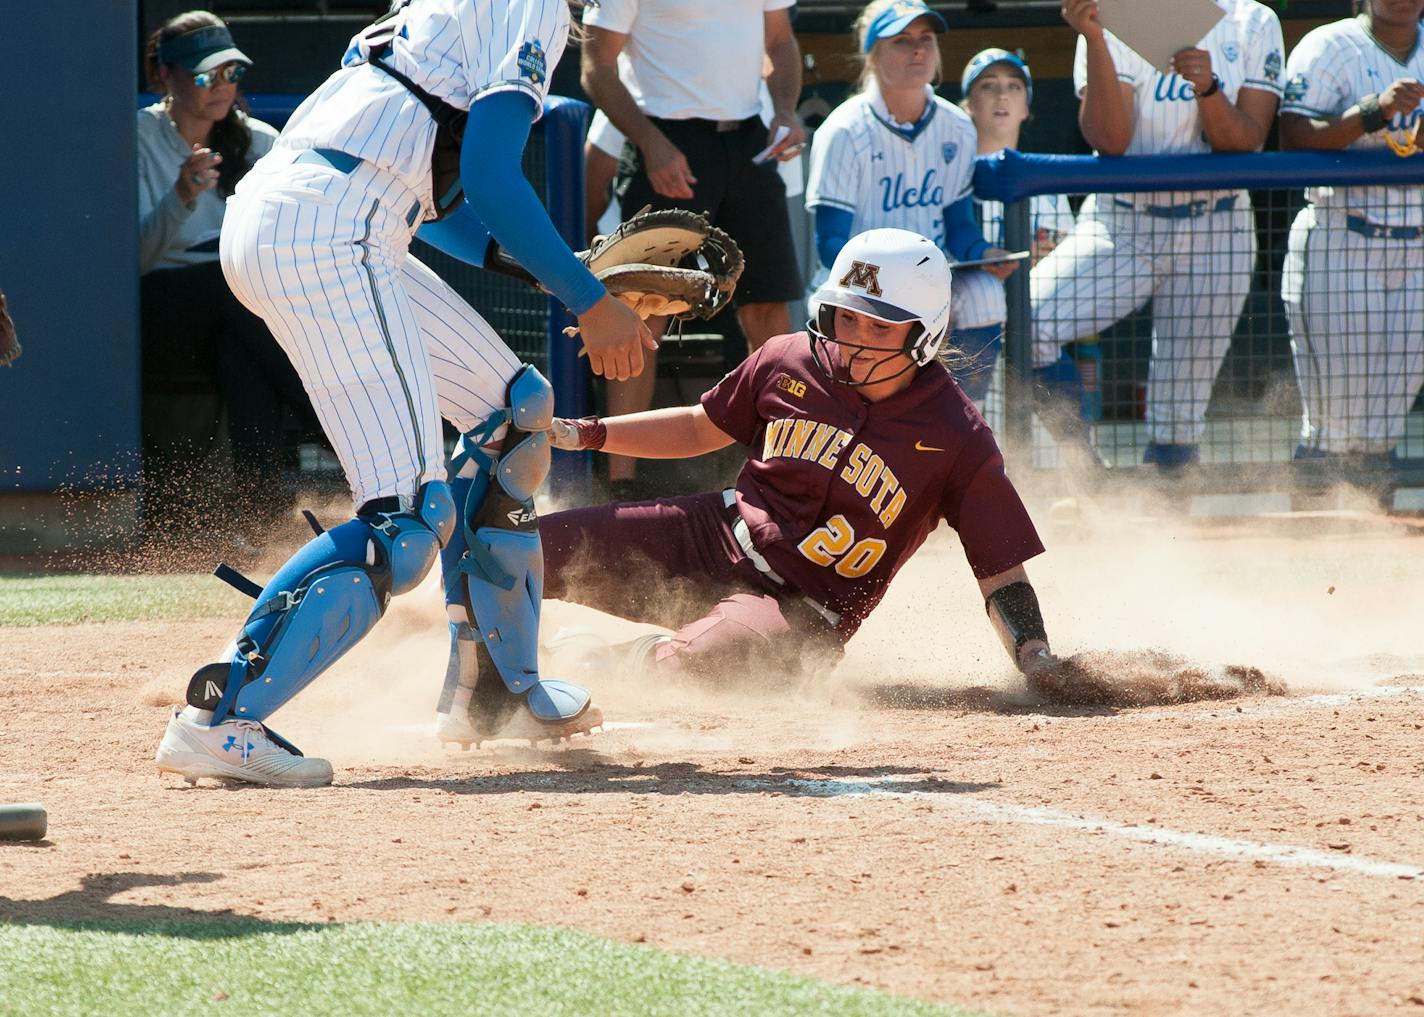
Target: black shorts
(746, 200)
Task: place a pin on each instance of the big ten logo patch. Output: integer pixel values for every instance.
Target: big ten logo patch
(531, 61)
(791, 386)
(865, 276)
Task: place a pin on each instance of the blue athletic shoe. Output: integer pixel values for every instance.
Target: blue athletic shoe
(1167, 456)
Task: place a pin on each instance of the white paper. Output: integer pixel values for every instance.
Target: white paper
(1159, 29)
(996, 260)
(765, 153)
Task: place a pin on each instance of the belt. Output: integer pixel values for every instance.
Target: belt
(343, 162)
(720, 126)
(1188, 210)
(1359, 224)
(337, 160)
(743, 535)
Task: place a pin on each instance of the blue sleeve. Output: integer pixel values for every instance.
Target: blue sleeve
(460, 235)
(833, 227)
(962, 237)
(502, 204)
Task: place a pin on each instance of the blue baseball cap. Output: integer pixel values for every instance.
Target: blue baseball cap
(896, 18)
(985, 59)
(202, 49)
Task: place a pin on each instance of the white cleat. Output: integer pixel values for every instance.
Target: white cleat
(455, 728)
(235, 750)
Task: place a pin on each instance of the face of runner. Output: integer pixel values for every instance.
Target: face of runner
(998, 104)
(870, 349)
(910, 59)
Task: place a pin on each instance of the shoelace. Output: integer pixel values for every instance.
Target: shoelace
(257, 731)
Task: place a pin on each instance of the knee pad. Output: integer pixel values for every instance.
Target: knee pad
(979, 350)
(323, 601)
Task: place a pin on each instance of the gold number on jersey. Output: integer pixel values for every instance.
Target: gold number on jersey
(835, 544)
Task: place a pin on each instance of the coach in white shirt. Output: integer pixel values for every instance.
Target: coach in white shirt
(688, 101)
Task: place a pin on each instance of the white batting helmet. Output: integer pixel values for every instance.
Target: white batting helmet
(891, 275)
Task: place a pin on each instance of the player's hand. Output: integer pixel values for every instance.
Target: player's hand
(198, 173)
(1082, 17)
(1002, 270)
(791, 145)
(1044, 241)
(667, 168)
(1195, 66)
(614, 338)
(1401, 98)
(564, 434)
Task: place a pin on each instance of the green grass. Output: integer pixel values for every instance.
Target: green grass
(257, 968)
(70, 600)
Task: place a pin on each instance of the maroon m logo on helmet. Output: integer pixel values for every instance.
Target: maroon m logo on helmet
(863, 275)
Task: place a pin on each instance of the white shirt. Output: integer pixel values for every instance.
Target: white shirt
(861, 163)
(1246, 52)
(169, 229)
(457, 50)
(1050, 212)
(1331, 69)
(690, 58)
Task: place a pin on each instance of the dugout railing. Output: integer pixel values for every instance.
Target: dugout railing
(1252, 401)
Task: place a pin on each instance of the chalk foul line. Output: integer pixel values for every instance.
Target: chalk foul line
(1228, 847)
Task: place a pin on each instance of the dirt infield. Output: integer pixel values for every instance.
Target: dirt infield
(916, 823)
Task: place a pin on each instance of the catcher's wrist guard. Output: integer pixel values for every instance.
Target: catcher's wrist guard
(1013, 611)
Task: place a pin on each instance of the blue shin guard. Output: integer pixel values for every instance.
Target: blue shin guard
(323, 601)
(494, 567)
(977, 351)
(1058, 400)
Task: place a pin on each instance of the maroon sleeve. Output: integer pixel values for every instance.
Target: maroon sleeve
(982, 505)
(731, 404)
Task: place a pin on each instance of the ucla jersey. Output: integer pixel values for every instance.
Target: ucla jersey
(1331, 69)
(892, 175)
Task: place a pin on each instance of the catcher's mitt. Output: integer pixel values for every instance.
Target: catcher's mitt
(672, 262)
(9, 342)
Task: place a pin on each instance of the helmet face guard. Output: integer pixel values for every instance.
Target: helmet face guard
(821, 329)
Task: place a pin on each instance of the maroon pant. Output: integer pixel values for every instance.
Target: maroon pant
(674, 562)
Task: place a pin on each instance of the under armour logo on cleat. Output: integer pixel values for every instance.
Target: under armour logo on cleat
(231, 741)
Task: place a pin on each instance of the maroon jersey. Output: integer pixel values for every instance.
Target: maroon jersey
(838, 492)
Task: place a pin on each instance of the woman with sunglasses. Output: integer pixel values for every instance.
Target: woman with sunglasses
(194, 145)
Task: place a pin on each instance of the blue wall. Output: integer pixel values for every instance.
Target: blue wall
(69, 253)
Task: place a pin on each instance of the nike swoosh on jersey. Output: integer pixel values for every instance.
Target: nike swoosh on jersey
(922, 447)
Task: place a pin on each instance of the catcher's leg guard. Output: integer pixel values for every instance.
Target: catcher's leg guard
(499, 577)
(319, 605)
(980, 349)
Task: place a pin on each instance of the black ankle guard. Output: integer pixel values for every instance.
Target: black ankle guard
(1013, 611)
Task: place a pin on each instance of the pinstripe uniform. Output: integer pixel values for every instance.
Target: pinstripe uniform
(1192, 252)
(321, 250)
(862, 162)
(1047, 212)
(1353, 282)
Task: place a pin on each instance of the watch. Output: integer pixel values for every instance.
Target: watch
(1211, 89)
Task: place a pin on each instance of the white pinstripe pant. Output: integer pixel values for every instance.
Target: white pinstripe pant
(1356, 311)
(1197, 272)
(383, 346)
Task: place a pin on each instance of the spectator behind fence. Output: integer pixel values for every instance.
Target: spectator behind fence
(997, 89)
(9, 342)
(1191, 252)
(1353, 282)
(691, 109)
(897, 155)
(194, 145)
(603, 152)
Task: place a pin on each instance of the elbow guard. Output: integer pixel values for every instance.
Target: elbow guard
(1014, 613)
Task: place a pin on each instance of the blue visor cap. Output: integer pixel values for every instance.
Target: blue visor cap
(202, 49)
(896, 18)
(988, 58)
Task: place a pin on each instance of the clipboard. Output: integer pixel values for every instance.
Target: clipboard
(1157, 29)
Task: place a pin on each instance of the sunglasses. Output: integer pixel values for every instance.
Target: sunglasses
(230, 73)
